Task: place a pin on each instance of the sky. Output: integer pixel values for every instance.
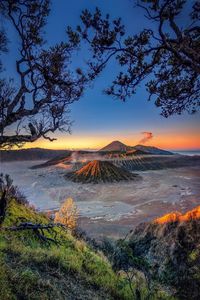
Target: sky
(98, 118)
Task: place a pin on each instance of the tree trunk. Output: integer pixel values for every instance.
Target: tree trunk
(3, 206)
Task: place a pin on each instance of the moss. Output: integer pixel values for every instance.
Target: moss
(194, 255)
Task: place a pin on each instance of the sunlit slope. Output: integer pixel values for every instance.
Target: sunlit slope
(171, 245)
(178, 217)
(98, 171)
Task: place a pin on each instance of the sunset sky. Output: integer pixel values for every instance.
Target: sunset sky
(99, 119)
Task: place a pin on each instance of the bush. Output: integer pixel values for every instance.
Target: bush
(68, 214)
(10, 190)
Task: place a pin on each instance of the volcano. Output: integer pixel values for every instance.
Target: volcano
(116, 146)
(98, 171)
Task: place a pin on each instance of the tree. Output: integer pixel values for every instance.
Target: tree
(68, 214)
(37, 102)
(168, 59)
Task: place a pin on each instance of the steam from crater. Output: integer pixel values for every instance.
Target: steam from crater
(147, 135)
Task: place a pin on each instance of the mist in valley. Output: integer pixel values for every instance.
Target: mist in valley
(122, 204)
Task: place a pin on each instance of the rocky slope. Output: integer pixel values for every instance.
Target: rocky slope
(100, 171)
(171, 245)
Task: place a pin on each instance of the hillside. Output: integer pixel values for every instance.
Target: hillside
(100, 171)
(152, 150)
(69, 157)
(31, 268)
(171, 245)
(29, 154)
(65, 268)
(63, 158)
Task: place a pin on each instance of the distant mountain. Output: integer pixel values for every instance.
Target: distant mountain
(152, 150)
(139, 149)
(68, 157)
(29, 154)
(62, 158)
(135, 152)
(116, 146)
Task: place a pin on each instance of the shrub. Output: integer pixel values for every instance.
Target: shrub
(68, 214)
(10, 190)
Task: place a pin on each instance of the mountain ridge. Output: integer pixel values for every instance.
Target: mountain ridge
(170, 245)
(119, 146)
(51, 154)
(152, 150)
(29, 154)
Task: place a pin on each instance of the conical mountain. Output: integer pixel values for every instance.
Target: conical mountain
(116, 146)
(98, 171)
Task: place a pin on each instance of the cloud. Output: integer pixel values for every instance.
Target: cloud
(147, 135)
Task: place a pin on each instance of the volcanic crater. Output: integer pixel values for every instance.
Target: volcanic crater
(99, 171)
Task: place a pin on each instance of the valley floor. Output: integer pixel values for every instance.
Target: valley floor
(110, 209)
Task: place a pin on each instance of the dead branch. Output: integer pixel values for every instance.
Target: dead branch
(38, 230)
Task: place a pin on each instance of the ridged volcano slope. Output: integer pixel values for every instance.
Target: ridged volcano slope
(98, 171)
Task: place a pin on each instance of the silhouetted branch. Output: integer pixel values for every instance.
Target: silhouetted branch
(38, 230)
(169, 58)
(46, 84)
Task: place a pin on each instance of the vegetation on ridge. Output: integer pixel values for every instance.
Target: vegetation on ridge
(171, 246)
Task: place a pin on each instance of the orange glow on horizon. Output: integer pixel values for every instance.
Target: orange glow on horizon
(189, 141)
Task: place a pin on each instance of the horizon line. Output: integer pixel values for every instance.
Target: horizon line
(96, 149)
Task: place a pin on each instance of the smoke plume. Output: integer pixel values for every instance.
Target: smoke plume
(147, 135)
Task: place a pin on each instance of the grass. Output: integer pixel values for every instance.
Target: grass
(32, 269)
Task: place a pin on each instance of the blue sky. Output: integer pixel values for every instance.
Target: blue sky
(98, 118)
